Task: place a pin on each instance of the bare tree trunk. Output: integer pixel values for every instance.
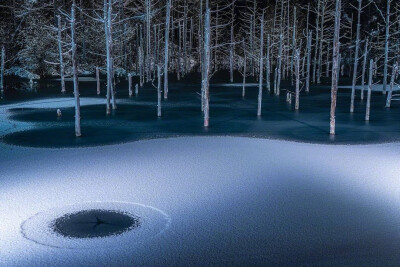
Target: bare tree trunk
(316, 41)
(179, 67)
(111, 49)
(244, 77)
(275, 81)
(308, 61)
(231, 51)
(147, 63)
(159, 91)
(130, 85)
(98, 80)
(386, 47)
(321, 40)
(260, 85)
(206, 81)
(363, 70)
(75, 73)
(371, 68)
(3, 59)
(293, 44)
(278, 79)
(353, 87)
(244, 68)
(297, 69)
(335, 67)
(389, 96)
(268, 66)
(141, 66)
(308, 33)
(166, 46)
(109, 79)
(184, 30)
(60, 54)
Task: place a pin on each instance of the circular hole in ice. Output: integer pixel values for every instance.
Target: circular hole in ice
(96, 224)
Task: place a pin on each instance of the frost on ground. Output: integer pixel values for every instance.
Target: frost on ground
(229, 200)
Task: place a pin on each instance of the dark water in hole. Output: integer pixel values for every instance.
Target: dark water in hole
(94, 223)
(230, 114)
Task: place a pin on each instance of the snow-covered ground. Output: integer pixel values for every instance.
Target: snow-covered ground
(229, 200)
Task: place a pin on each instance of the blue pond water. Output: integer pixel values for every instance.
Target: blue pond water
(136, 117)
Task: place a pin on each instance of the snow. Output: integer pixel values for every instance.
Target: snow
(63, 102)
(228, 200)
(375, 87)
(22, 73)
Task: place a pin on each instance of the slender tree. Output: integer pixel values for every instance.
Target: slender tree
(392, 78)
(75, 73)
(166, 53)
(60, 52)
(260, 86)
(3, 56)
(335, 67)
(368, 106)
(353, 87)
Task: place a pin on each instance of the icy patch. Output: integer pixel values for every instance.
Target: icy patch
(48, 228)
(65, 102)
(234, 84)
(80, 79)
(375, 88)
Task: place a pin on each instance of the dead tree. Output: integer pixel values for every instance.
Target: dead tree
(353, 87)
(279, 68)
(206, 81)
(268, 66)
(244, 74)
(232, 45)
(389, 96)
(166, 53)
(363, 68)
(335, 66)
(297, 71)
(385, 63)
(368, 107)
(75, 73)
(60, 52)
(130, 85)
(3, 56)
(98, 80)
(158, 90)
(316, 41)
(309, 38)
(260, 85)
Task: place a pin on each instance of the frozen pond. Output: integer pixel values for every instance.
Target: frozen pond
(206, 201)
(36, 124)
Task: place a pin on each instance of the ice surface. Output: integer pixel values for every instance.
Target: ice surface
(375, 87)
(230, 200)
(36, 124)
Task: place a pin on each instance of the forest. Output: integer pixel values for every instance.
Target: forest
(301, 42)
